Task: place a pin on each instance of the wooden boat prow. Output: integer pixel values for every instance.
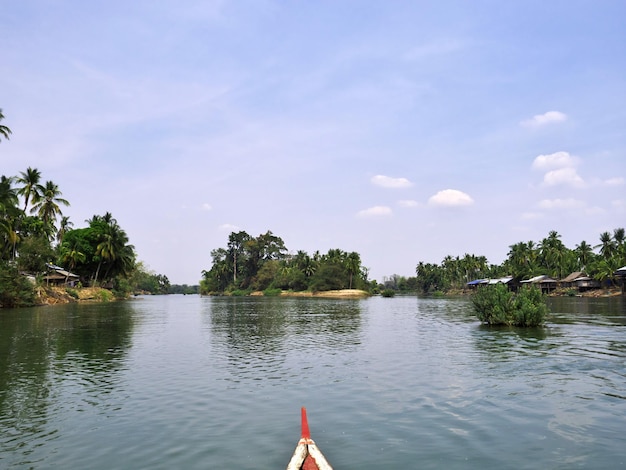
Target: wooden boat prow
(307, 455)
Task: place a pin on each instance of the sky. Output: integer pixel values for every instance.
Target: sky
(403, 130)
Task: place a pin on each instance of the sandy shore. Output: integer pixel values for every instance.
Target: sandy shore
(330, 294)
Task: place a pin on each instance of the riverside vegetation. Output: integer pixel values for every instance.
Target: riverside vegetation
(34, 233)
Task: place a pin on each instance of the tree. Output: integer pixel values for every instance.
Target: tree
(47, 205)
(29, 180)
(64, 226)
(4, 130)
(497, 305)
(584, 254)
(607, 245)
(353, 266)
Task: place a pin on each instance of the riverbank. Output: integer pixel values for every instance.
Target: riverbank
(330, 294)
(51, 295)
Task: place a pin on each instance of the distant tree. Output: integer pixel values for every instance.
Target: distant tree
(584, 254)
(4, 130)
(607, 245)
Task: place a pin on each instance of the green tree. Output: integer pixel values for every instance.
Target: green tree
(496, 305)
(584, 254)
(30, 188)
(47, 206)
(353, 266)
(15, 290)
(607, 245)
(4, 130)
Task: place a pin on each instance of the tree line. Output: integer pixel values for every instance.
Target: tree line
(35, 234)
(263, 263)
(528, 259)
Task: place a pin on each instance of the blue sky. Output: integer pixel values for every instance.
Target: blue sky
(405, 131)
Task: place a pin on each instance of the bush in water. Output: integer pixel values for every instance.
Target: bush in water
(496, 305)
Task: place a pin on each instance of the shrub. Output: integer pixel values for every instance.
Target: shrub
(388, 293)
(496, 305)
(72, 292)
(239, 293)
(105, 295)
(272, 292)
(15, 289)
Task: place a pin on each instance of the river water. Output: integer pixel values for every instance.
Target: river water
(192, 382)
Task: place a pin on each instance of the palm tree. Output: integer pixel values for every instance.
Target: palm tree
(584, 253)
(29, 180)
(353, 265)
(9, 214)
(64, 226)
(4, 130)
(47, 207)
(607, 246)
(72, 256)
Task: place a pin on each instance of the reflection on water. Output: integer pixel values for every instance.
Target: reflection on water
(45, 356)
(274, 338)
(183, 381)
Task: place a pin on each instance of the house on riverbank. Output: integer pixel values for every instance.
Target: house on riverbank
(57, 276)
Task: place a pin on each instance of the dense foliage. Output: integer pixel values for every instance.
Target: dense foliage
(527, 259)
(497, 305)
(260, 263)
(34, 233)
(15, 290)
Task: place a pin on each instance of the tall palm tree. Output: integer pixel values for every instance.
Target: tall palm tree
(4, 130)
(607, 245)
(64, 226)
(29, 180)
(353, 265)
(584, 253)
(47, 207)
(9, 215)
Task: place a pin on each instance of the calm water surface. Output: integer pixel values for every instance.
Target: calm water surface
(197, 383)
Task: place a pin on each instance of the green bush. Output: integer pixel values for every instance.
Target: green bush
(239, 293)
(105, 295)
(15, 289)
(496, 305)
(272, 292)
(72, 292)
(388, 293)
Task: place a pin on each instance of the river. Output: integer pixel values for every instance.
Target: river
(193, 382)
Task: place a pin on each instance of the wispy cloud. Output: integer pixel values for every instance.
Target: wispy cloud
(376, 211)
(206, 206)
(569, 203)
(539, 120)
(389, 182)
(451, 198)
(618, 181)
(228, 228)
(408, 203)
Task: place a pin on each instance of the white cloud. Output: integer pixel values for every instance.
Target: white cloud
(545, 118)
(618, 181)
(229, 228)
(389, 182)
(563, 176)
(376, 211)
(531, 215)
(619, 204)
(206, 206)
(552, 204)
(554, 161)
(408, 203)
(450, 198)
